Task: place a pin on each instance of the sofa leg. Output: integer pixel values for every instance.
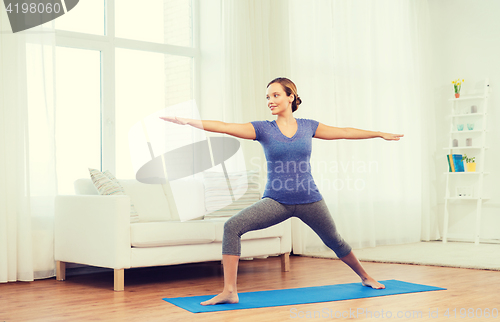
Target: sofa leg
(285, 262)
(60, 271)
(119, 280)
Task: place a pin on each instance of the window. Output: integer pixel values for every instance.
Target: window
(117, 61)
(166, 22)
(87, 17)
(78, 114)
(144, 89)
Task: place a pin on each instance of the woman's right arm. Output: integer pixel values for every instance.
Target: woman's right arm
(243, 131)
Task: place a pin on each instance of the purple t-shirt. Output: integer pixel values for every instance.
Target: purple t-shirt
(289, 178)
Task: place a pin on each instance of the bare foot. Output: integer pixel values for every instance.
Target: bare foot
(370, 282)
(223, 298)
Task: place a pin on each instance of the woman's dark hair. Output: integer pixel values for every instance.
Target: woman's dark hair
(289, 88)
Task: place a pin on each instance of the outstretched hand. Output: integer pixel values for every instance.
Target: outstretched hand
(175, 119)
(391, 137)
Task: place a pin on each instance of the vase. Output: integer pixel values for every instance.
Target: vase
(471, 167)
(457, 95)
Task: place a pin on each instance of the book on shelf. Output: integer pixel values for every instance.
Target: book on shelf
(451, 168)
(450, 163)
(455, 163)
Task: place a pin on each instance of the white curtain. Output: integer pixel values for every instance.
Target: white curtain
(356, 63)
(252, 29)
(360, 64)
(27, 152)
(421, 38)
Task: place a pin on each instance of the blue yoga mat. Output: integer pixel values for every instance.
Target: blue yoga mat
(304, 295)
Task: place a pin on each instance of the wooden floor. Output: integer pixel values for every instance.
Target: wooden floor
(91, 296)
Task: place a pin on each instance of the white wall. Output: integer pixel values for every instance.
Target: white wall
(466, 44)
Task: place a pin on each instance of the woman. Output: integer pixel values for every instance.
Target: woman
(290, 189)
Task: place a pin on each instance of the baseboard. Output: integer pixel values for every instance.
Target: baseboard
(466, 240)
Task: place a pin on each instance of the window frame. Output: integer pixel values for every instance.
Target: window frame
(107, 44)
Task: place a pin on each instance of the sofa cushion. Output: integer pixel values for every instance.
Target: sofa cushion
(107, 185)
(157, 234)
(85, 187)
(273, 231)
(134, 215)
(149, 200)
(220, 201)
(188, 194)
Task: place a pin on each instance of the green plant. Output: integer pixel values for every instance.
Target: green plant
(468, 160)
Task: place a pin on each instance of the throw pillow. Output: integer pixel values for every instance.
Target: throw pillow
(218, 200)
(106, 184)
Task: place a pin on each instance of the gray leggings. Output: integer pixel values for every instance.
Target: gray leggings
(268, 212)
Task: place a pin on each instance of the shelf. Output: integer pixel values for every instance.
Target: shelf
(465, 198)
(465, 98)
(460, 114)
(467, 131)
(465, 148)
(465, 115)
(475, 172)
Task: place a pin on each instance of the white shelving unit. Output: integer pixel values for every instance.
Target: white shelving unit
(461, 114)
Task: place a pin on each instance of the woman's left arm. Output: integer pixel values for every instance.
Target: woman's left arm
(326, 132)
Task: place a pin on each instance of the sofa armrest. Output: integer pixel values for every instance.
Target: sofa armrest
(93, 230)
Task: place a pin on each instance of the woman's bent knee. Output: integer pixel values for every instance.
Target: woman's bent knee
(231, 227)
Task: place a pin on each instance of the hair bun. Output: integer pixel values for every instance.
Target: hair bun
(299, 101)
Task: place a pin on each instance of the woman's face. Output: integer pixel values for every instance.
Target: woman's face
(277, 100)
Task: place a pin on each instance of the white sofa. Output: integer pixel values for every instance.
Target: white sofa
(95, 230)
